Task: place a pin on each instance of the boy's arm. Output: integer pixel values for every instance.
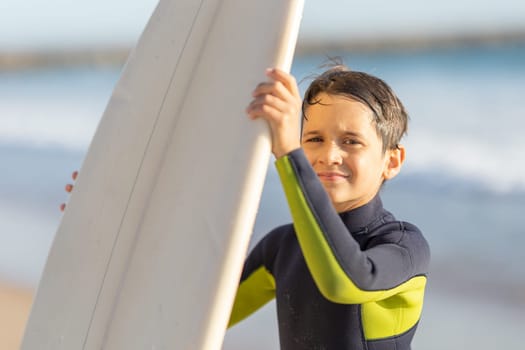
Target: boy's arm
(343, 273)
(257, 285)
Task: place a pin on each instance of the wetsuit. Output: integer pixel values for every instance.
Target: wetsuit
(353, 280)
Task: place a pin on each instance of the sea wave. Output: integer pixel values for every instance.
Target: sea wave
(469, 158)
(69, 125)
(53, 107)
(465, 105)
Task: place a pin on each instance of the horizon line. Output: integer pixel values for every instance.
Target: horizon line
(117, 54)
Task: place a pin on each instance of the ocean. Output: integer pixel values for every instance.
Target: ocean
(463, 182)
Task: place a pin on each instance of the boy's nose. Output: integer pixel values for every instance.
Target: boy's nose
(331, 154)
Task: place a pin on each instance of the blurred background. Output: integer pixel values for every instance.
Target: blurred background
(458, 66)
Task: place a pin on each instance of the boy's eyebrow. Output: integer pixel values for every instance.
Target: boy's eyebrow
(354, 134)
(346, 133)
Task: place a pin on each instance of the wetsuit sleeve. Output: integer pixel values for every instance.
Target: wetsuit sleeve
(257, 284)
(341, 270)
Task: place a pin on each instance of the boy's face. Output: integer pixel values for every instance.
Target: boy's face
(340, 141)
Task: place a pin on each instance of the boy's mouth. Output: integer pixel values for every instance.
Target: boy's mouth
(332, 176)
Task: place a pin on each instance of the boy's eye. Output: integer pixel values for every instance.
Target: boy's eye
(351, 142)
(314, 139)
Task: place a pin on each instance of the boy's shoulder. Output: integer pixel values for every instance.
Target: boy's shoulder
(390, 228)
(405, 235)
(386, 228)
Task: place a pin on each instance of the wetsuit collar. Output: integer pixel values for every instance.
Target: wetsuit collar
(358, 219)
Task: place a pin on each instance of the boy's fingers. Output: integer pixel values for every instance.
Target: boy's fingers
(257, 108)
(263, 88)
(267, 112)
(264, 103)
(69, 188)
(270, 100)
(279, 80)
(286, 79)
(276, 89)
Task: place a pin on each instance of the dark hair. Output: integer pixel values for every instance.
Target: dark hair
(390, 116)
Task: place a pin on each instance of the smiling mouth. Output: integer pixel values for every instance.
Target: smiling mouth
(331, 176)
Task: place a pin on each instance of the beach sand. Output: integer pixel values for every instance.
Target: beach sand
(15, 304)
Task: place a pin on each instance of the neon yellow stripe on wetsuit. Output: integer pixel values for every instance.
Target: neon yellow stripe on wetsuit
(255, 291)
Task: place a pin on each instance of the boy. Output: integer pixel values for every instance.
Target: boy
(346, 274)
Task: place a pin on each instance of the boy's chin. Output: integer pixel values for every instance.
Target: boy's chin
(346, 203)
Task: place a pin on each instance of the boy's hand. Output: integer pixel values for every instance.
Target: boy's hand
(69, 188)
(279, 103)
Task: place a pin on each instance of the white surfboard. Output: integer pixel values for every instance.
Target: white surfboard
(150, 249)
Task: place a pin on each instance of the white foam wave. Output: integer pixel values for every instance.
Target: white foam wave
(456, 135)
(469, 157)
(68, 125)
(496, 166)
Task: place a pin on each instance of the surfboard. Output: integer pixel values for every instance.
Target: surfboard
(149, 252)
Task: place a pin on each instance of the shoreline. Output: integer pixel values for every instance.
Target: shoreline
(117, 55)
(15, 303)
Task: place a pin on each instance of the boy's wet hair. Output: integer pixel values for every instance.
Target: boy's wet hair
(390, 116)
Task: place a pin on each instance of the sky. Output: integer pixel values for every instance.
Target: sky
(37, 24)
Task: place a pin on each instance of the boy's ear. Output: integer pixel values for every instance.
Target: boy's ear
(394, 160)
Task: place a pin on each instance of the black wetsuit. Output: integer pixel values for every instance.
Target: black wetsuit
(353, 280)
